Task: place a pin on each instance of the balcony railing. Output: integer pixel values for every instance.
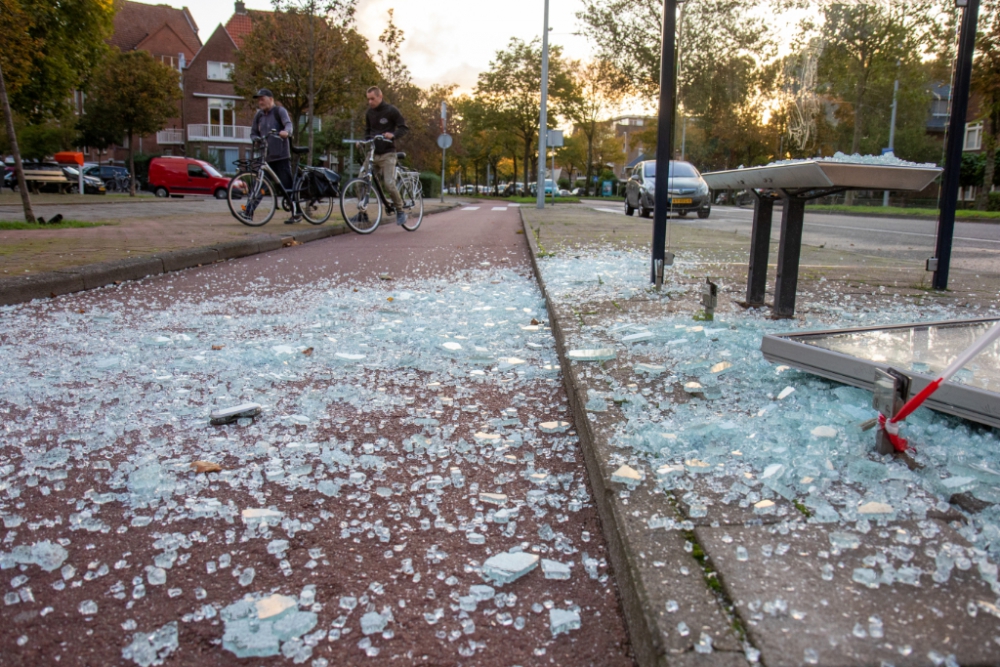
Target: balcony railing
(173, 136)
(227, 133)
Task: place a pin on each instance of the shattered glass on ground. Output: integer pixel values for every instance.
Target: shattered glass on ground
(409, 433)
(693, 408)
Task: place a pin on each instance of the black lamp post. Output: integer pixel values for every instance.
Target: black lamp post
(665, 138)
(941, 262)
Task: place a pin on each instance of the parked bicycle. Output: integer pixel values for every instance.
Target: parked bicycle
(362, 199)
(253, 192)
(117, 183)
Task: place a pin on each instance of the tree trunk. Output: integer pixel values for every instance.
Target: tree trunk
(983, 200)
(590, 162)
(29, 215)
(513, 157)
(312, 78)
(527, 163)
(131, 165)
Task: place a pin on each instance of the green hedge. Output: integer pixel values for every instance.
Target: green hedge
(431, 184)
(994, 202)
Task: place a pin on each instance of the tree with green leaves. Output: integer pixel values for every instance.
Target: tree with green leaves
(511, 90)
(15, 62)
(134, 95)
(864, 42)
(49, 48)
(309, 54)
(65, 44)
(598, 91)
(726, 51)
(986, 85)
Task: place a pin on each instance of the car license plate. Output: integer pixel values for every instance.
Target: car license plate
(686, 200)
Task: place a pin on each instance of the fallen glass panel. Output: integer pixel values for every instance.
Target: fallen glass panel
(921, 351)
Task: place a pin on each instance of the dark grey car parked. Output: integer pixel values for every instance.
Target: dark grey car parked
(688, 190)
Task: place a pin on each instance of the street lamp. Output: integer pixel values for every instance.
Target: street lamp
(543, 121)
(665, 138)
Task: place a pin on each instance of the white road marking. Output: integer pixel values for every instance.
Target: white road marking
(514, 205)
(892, 232)
(471, 208)
(499, 208)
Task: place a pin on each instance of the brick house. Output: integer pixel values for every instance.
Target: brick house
(212, 121)
(216, 121)
(171, 36)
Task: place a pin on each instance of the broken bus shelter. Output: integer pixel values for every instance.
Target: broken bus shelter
(796, 183)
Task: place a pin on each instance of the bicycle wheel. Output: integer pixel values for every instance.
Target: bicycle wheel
(361, 207)
(413, 203)
(316, 210)
(252, 199)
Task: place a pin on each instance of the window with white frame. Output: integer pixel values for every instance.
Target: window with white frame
(221, 112)
(218, 71)
(973, 136)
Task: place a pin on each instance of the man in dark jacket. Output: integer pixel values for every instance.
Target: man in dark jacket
(279, 156)
(385, 120)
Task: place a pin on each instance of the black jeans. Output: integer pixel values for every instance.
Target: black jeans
(283, 170)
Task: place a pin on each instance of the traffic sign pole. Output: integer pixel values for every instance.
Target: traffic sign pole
(441, 142)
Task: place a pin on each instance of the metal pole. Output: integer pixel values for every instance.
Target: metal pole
(892, 125)
(684, 134)
(956, 139)
(543, 120)
(350, 168)
(444, 120)
(665, 141)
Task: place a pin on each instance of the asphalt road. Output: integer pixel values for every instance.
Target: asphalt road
(976, 245)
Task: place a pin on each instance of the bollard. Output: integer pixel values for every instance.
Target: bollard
(709, 298)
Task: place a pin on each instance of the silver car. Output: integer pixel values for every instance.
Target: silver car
(688, 190)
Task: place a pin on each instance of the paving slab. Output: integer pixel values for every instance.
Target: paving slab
(655, 568)
(794, 616)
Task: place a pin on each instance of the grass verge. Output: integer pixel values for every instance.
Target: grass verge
(962, 214)
(64, 224)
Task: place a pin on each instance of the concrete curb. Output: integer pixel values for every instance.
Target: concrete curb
(639, 628)
(642, 616)
(90, 276)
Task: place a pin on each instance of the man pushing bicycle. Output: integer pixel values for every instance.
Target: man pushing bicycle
(385, 124)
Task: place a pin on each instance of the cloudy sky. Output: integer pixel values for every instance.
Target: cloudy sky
(447, 41)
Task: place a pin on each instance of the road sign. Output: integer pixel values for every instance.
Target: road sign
(444, 141)
(554, 139)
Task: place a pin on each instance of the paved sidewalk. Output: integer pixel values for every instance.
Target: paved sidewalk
(138, 228)
(747, 518)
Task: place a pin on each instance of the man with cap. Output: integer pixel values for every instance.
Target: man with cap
(270, 117)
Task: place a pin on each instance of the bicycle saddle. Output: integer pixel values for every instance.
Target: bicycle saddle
(400, 156)
(300, 150)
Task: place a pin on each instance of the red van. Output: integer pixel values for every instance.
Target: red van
(175, 175)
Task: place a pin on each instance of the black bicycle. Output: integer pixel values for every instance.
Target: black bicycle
(253, 192)
(363, 199)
